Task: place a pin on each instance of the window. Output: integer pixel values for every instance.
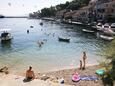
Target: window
(106, 5)
(112, 10)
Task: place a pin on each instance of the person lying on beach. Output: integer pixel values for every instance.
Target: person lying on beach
(29, 75)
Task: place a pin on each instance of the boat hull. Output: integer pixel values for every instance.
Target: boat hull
(107, 38)
(88, 31)
(64, 39)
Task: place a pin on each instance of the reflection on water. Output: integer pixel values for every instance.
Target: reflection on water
(6, 44)
(24, 50)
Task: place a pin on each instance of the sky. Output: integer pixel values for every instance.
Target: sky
(23, 7)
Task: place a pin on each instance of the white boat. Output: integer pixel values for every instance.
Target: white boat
(88, 31)
(99, 26)
(5, 35)
(107, 38)
(107, 29)
(106, 26)
(113, 26)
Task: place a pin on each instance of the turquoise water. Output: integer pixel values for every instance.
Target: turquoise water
(24, 50)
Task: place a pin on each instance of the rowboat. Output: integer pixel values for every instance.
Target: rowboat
(88, 31)
(107, 38)
(63, 39)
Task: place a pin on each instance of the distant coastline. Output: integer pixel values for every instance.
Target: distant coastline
(16, 16)
(1, 16)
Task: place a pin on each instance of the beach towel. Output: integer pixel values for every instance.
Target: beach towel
(100, 72)
(88, 78)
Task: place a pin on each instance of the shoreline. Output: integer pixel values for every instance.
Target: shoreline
(66, 74)
(53, 70)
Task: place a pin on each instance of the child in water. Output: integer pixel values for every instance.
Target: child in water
(27, 31)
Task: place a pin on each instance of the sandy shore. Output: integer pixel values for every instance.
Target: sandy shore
(67, 75)
(17, 80)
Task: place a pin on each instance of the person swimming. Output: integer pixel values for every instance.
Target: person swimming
(27, 31)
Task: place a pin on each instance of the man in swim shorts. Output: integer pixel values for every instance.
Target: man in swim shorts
(30, 74)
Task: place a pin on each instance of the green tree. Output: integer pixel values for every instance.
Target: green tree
(109, 53)
(73, 6)
(62, 6)
(48, 12)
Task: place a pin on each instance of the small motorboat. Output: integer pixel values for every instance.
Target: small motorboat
(107, 38)
(105, 26)
(5, 35)
(109, 31)
(99, 26)
(88, 31)
(63, 39)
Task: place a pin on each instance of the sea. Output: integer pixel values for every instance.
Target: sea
(24, 50)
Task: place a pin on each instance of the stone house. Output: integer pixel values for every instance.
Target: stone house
(60, 14)
(104, 9)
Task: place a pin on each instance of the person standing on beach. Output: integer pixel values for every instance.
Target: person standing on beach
(84, 60)
(80, 65)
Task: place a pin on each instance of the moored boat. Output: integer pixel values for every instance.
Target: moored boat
(5, 35)
(99, 26)
(107, 38)
(64, 39)
(88, 31)
(109, 32)
(113, 26)
(107, 29)
(106, 26)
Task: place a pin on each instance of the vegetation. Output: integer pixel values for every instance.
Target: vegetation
(110, 18)
(109, 53)
(62, 6)
(51, 11)
(48, 12)
(76, 4)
